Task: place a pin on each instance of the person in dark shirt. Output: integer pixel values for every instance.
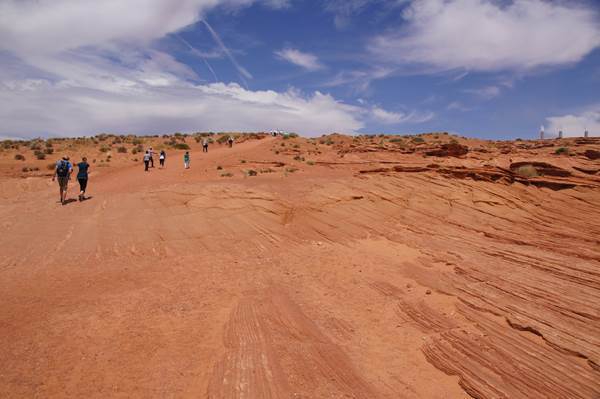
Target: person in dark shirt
(82, 177)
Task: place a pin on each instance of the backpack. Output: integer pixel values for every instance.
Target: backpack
(62, 169)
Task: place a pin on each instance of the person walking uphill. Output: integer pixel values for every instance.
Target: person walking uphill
(151, 152)
(63, 172)
(230, 141)
(162, 157)
(146, 160)
(82, 177)
(205, 145)
(186, 160)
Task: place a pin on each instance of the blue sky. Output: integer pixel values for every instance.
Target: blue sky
(481, 68)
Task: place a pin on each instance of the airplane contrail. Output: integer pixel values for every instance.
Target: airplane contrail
(242, 72)
(198, 53)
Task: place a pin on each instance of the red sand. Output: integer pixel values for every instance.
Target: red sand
(371, 271)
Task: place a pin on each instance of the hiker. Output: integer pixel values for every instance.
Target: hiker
(186, 160)
(82, 177)
(205, 145)
(146, 160)
(63, 173)
(151, 152)
(230, 141)
(161, 158)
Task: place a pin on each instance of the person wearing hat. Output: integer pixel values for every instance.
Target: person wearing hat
(63, 172)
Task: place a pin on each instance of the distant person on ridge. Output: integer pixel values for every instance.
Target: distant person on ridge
(162, 157)
(205, 145)
(186, 160)
(230, 141)
(63, 172)
(146, 160)
(82, 177)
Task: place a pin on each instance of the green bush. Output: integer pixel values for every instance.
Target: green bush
(39, 154)
(49, 150)
(562, 150)
(181, 146)
(122, 150)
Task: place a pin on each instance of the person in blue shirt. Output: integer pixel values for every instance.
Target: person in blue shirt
(82, 177)
(63, 172)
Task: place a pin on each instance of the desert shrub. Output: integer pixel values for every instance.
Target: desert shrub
(137, 141)
(19, 157)
(291, 170)
(418, 140)
(276, 152)
(104, 148)
(181, 146)
(293, 135)
(226, 174)
(296, 146)
(330, 142)
(49, 144)
(299, 158)
(122, 149)
(49, 150)
(311, 163)
(267, 170)
(396, 140)
(35, 146)
(242, 161)
(251, 172)
(25, 169)
(219, 167)
(562, 150)
(283, 144)
(222, 139)
(527, 171)
(39, 154)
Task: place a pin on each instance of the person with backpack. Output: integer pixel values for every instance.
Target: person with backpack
(151, 152)
(63, 174)
(205, 145)
(230, 141)
(186, 160)
(161, 158)
(82, 177)
(146, 160)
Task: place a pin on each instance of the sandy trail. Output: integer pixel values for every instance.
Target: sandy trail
(320, 283)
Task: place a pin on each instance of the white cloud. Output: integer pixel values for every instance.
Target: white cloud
(575, 125)
(297, 57)
(393, 118)
(489, 35)
(79, 68)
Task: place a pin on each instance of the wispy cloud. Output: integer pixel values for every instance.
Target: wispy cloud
(305, 60)
(487, 35)
(393, 118)
(485, 93)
